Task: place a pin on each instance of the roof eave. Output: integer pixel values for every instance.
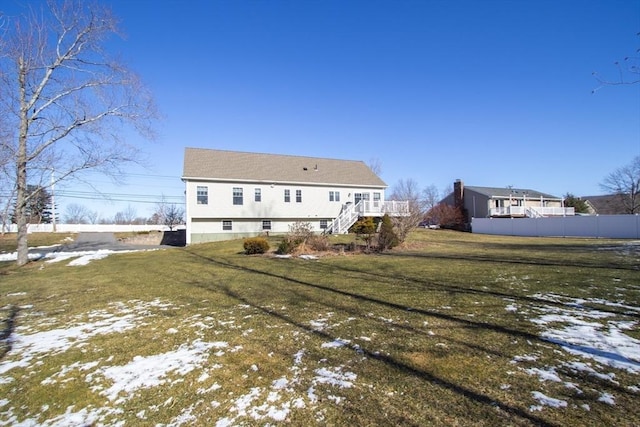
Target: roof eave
(269, 182)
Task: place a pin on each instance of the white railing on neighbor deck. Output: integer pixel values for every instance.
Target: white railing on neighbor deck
(350, 213)
(531, 211)
(507, 211)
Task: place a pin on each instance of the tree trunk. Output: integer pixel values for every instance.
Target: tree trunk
(21, 170)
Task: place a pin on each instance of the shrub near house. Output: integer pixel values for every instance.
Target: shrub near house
(256, 245)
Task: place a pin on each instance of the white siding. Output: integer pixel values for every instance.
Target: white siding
(247, 218)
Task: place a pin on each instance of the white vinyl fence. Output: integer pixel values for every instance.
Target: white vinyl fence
(611, 226)
(85, 228)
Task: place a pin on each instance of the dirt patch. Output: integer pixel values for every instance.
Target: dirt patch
(156, 238)
(150, 238)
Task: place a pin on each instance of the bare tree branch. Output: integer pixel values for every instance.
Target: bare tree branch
(624, 183)
(68, 102)
(407, 190)
(628, 72)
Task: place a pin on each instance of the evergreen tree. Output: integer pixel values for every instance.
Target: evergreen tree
(39, 206)
(387, 238)
(579, 205)
(365, 228)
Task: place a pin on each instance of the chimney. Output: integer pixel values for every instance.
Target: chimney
(458, 194)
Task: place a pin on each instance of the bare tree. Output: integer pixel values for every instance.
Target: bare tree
(7, 196)
(446, 216)
(407, 190)
(448, 189)
(7, 183)
(430, 197)
(174, 216)
(375, 164)
(92, 216)
(76, 214)
(67, 101)
(624, 182)
(168, 214)
(127, 216)
(628, 72)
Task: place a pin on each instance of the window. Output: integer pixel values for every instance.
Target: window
(258, 197)
(298, 196)
(227, 225)
(376, 199)
(357, 197)
(237, 195)
(202, 195)
(334, 196)
(287, 196)
(266, 224)
(323, 224)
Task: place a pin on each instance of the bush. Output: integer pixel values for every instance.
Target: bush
(286, 247)
(365, 228)
(299, 232)
(387, 239)
(319, 243)
(256, 245)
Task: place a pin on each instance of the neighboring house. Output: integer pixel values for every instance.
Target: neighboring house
(231, 194)
(494, 202)
(610, 204)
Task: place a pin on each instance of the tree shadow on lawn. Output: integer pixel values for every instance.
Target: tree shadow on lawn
(452, 288)
(324, 270)
(521, 261)
(7, 330)
(400, 366)
(387, 359)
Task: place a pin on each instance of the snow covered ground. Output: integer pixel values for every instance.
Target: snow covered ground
(594, 337)
(593, 340)
(599, 350)
(117, 383)
(51, 254)
(76, 257)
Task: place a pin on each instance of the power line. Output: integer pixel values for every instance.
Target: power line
(100, 193)
(152, 175)
(113, 197)
(132, 197)
(122, 200)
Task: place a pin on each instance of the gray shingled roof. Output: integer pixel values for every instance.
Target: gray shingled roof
(505, 192)
(200, 163)
(608, 204)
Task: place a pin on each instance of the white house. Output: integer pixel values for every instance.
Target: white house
(231, 194)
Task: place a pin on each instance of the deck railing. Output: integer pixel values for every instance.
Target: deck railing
(350, 213)
(379, 208)
(531, 211)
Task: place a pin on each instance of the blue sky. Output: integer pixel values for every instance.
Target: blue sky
(495, 93)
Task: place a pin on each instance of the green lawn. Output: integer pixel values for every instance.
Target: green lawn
(451, 329)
